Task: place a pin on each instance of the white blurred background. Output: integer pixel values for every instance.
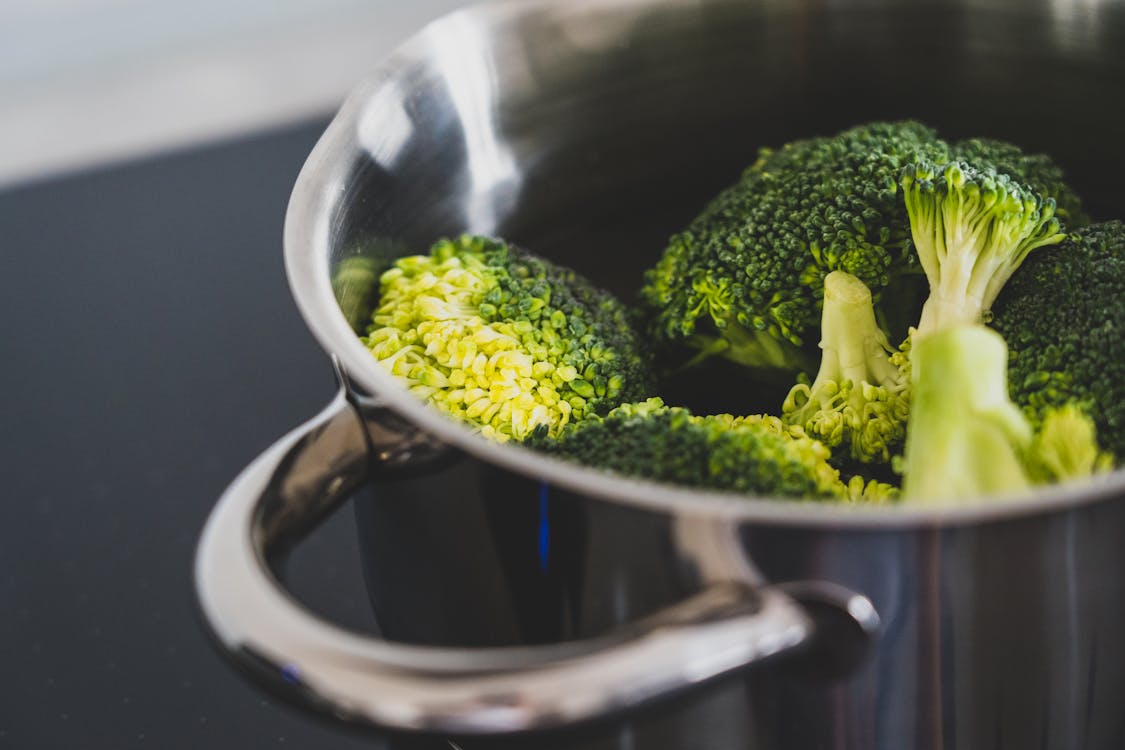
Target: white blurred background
(83, 82)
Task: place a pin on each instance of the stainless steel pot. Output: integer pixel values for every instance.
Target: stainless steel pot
(588, 131)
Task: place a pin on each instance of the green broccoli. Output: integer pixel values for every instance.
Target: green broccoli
(745, 279)
(504, 340)
(1064, 321)
(972, 227)
(860, 396)
(1066, 447)
(965, 437)
(1038, 172)
(756, 455)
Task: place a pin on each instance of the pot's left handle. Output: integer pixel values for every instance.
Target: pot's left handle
(396, 686)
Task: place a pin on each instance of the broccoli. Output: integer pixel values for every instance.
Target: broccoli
(1038, 172)
(860, 394)
(1066, 447)
(966, 438)
(1064, 321)
(842, 232)
(756, 455)
(745, 279)
(972, 227)
(504, 340)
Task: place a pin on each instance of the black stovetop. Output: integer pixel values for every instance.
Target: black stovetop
(150, 350)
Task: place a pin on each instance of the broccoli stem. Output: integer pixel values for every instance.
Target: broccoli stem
(859, 394)
(965, 438)
(854, 346)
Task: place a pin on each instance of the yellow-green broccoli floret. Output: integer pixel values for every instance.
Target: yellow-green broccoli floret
(504, 340)
(1066, 447)
(756, 455)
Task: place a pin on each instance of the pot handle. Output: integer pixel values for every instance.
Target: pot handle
(487, 691)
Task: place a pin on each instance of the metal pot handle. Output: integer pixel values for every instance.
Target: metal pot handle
(364, 680)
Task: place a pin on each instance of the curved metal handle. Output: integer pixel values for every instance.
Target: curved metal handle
(447, 690)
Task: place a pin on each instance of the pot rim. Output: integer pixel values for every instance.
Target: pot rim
(307, 247)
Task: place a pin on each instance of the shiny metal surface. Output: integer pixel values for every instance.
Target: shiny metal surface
(1001, 635)
(589, 131)
(727, 625)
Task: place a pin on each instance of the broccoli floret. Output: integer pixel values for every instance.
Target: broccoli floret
(966, 438)
(504, 340)
(1064, 321)
(870, 491)
(745, 279)
(1038, 172)
(860, 397)
(1066, 447)
(972, 227)
(756, 455)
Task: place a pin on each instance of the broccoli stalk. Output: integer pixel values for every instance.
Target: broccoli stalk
(859, 397)
(971, 228)
(965, 437)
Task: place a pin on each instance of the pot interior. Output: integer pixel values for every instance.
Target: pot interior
(589, 132)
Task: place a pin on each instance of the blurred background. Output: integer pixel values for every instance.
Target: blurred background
(151, 347)
(86, 81)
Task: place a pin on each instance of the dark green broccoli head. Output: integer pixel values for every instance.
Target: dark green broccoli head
(1064, 322)
(504, 340)
(756, 455)
(746, 278)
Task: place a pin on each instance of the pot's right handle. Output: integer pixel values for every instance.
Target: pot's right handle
(364, 680)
